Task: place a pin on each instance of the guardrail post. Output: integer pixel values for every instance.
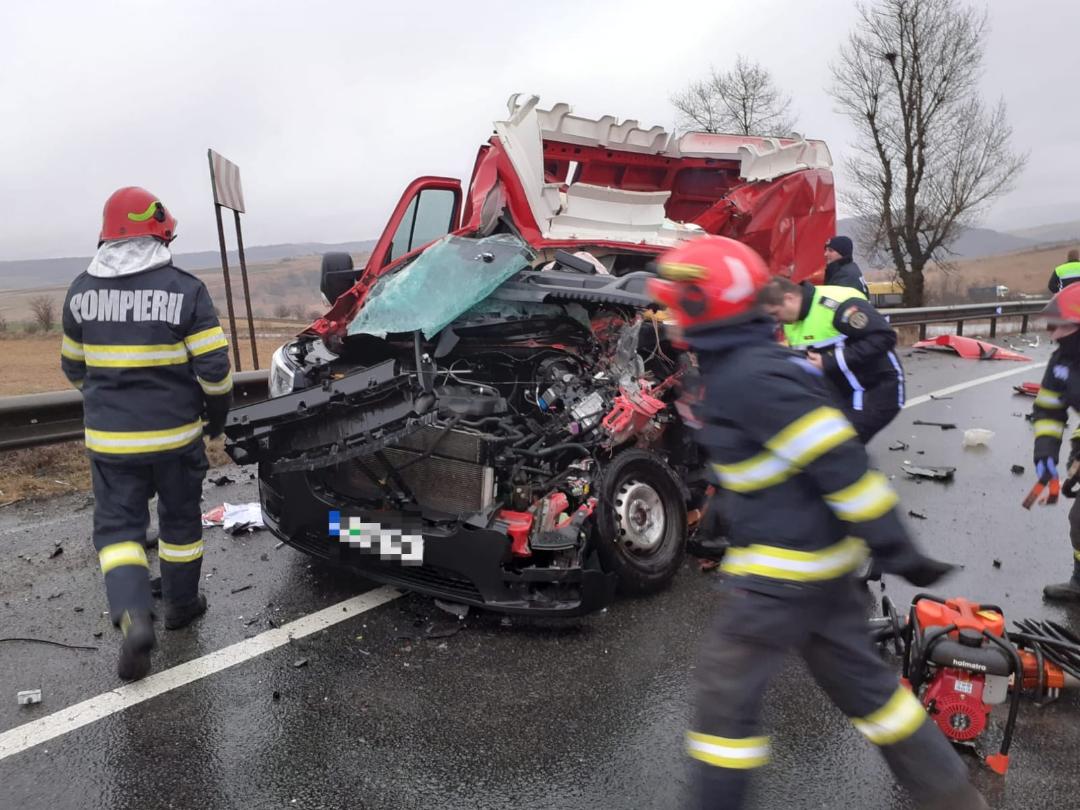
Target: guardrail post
(993, 327)
(959, 327)
(1024, 325)
(922, 331)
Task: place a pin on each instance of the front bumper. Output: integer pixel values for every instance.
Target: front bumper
(461, 563)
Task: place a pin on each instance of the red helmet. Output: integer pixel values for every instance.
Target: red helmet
(133, 211)
(710, 280)
(1065, 306)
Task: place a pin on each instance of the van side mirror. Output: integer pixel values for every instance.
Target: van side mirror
(336, 275)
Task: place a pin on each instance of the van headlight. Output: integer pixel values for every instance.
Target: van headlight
(282, 373)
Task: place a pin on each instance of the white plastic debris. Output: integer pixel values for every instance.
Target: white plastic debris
(977, 436)
(235, 517)
(29, 696)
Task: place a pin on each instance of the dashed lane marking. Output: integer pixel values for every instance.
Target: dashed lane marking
(89, 711)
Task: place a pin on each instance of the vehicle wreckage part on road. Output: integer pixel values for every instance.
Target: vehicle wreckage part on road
(970, 348)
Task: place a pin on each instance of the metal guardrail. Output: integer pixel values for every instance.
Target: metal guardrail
(37, 419)
(923, 316)
(57, 416)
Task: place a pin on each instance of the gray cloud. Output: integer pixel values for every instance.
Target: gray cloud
(330, 108)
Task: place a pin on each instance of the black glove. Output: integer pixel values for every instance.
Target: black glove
(926, 571)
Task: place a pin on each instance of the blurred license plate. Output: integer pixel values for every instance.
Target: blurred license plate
(388, 544)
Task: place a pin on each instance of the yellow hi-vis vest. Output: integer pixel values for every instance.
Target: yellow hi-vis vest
(816, 330)
(1067, 273)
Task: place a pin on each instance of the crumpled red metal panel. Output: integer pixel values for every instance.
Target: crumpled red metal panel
(970, 348)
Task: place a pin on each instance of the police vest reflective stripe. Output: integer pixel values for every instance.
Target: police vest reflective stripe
(1070, 271)
(816, 329)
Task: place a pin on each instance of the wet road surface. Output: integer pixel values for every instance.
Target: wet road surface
(403, 706)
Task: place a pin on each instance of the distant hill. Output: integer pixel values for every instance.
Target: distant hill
(973, 243)
(34, 273)
(1057, 232)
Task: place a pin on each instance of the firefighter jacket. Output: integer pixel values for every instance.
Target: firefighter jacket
(1060, 391)
(1063, 276)
(150, 357)
(845, 273)
(802, 503)
(855, 341)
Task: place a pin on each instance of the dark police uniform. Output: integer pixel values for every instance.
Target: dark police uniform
(1060, 391)
(844, 272)
(804, 509)
(151, 359)
(856, 345)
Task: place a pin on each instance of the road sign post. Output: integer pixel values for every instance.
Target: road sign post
(228, 193)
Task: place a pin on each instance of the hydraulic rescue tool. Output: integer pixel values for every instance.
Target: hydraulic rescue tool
(960, 661)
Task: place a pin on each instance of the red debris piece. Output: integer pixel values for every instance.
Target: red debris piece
(970, 348)
(1028, 389)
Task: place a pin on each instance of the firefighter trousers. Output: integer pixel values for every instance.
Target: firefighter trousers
(122, 493)
(826, 625)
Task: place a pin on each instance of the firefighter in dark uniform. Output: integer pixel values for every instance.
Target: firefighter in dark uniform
(849, 341)
(804, 511)
(143, 343)
(1060, 391)
(840, 267)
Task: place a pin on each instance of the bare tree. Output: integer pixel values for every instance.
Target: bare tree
(282, 311)
(743, 100)
(43, 309)
(931, 156)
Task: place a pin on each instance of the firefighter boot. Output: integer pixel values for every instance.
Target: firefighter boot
(177, 616)
(1066, 591)
(139, 640)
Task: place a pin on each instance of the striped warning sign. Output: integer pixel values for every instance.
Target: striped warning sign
(225, 178)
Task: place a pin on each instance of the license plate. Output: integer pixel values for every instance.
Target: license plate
(388, 544)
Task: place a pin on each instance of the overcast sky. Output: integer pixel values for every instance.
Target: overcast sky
(330, 108)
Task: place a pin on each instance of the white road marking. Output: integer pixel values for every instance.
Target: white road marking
(89, 711)
(952, 389)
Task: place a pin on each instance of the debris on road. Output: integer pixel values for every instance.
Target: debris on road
(221, 481)
(47, 641)
(98, 633)
(56, 552)
(942, 425)
(933, 473)
(1028, 389)
(444, 630)
(241, 589)
(975, 437)
(970, 348)
(28, 697)
(937, 398)
(453, 608)
(997, 563)
(235, 518)
(899, 445)
(300, 662)
(1017, 469)
(915, 514)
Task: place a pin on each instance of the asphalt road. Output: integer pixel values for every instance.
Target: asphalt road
(403, 706)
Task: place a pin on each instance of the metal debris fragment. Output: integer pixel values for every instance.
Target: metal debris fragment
(933, 473)
(300, 662)
(899, 445)
(915, 514)
(453, 608)
(28, 697)
(241, 589)
(1017, 469)
(942, 425)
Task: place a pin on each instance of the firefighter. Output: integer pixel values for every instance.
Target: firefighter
(1065, 274)
(798, 494)
(1061, 390)
(840, 268)
(847, 339)
(143, 344)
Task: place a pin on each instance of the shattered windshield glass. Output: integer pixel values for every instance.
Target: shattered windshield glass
(444, 281)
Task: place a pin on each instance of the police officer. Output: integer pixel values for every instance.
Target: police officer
(849, 341)
(1061, 390)
(1065, 274)
(840, 268)
(798, 494)
(142, 342)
